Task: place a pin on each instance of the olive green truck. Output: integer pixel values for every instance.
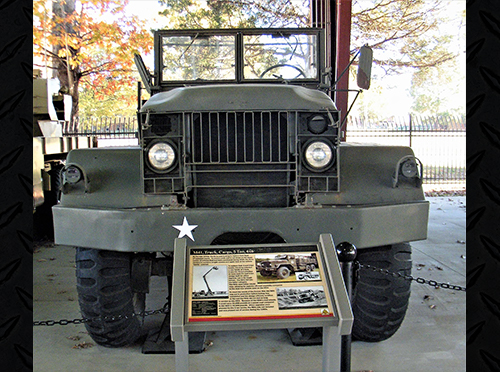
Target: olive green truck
(51, 111)
(239, 143)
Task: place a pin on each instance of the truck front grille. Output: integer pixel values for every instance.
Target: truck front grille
(239, 159)
(239, 137)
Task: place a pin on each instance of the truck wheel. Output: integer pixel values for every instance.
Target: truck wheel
(104, 289)
(379, 301)
(283, 272)
(266, 273)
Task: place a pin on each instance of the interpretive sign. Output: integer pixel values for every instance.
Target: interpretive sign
(243, 287)
(261, 282)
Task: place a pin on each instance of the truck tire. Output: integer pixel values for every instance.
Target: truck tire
(379, 301)
(283, 272)
(104, 289)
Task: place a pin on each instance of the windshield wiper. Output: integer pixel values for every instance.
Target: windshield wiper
(294, 49)
(189, 46)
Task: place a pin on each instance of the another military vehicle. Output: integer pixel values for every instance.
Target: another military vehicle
(51, 112)
(285, 264)
(239, 143)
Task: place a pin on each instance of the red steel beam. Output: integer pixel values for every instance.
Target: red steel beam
(342, 54)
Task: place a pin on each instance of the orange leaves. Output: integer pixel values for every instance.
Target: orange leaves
(97, 39)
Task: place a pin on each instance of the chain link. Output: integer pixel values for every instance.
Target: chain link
(419, 280)
(164, 309)
(111, 318)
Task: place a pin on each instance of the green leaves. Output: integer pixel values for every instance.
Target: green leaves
(187, 14)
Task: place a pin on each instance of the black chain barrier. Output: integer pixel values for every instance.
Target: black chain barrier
(164, 310)
(419, 280)
(102, 318)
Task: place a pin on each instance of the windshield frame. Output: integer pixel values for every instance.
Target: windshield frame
(160, 84)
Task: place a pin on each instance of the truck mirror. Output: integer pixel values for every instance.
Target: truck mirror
(143, 72)
(365, 67)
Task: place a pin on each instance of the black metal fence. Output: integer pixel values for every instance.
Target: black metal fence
(103, 127)
(438, 141)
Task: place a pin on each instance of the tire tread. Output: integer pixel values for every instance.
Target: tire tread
(379, 310)
(100, 294)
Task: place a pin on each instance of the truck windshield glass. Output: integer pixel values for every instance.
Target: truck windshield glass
(198, 57)
(278, 56)
(214, 57)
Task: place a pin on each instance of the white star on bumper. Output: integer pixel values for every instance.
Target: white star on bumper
(185, 229)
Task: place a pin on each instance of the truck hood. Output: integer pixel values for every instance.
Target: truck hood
(236, 97)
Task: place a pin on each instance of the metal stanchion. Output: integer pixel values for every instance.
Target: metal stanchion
(347, 254)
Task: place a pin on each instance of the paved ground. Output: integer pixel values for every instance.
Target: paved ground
(432, 337)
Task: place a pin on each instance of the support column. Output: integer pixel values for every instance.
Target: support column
(182, 354)
(342, 53)
(331, 349)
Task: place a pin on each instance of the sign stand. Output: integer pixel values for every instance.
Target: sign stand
(334, 325)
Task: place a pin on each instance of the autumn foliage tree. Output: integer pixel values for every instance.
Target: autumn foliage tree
(89, 44)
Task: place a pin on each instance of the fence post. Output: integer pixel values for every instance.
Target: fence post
(410, 129)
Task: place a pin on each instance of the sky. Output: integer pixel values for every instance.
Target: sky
(395, 88)
(146, 9)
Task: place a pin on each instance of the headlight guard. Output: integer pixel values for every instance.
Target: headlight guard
(409, 169)
(74, 179)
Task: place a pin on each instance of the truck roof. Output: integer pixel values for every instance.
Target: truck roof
(239, 97)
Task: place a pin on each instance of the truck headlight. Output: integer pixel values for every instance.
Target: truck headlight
(161, 156)
(409, 168)
(72, 174)
(318, 155)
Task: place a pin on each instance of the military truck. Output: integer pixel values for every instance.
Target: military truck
(285, 264)
(51, 112)
(238, 144)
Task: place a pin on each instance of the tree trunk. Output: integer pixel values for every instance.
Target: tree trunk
(76, 98)
(68, 76)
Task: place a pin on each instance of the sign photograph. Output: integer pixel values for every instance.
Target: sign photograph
(286, 267)
(210, 282)
(301, 297)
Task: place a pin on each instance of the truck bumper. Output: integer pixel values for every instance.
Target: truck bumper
(154, 229)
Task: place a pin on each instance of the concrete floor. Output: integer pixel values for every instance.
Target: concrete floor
(432, 337)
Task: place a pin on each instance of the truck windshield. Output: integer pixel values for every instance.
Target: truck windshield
(280, 56)
(198, 57)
